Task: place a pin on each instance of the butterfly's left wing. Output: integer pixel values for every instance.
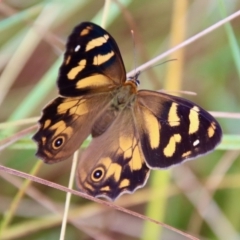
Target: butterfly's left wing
(113, 163)
(92, 62)
(173, 129)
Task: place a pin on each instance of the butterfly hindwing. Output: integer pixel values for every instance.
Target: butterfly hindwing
(65, 124)
(173, 129)
(113, 163)
(92, 62)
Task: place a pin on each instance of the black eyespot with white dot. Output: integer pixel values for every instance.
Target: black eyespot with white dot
(58, 142)
(98, 174)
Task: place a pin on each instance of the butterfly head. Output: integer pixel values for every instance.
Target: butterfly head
(135, 79)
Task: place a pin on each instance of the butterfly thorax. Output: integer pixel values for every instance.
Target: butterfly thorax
(124, 96)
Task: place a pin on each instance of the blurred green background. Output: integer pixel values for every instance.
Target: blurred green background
(199, 197)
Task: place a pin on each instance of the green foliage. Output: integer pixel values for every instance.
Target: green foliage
(33, 34)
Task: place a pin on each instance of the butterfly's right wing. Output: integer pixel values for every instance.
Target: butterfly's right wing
(113, 163)
(65, 123)
(92, 62)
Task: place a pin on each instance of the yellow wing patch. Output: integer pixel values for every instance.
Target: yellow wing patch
(124, 183)
(98, 80)
(129, 147)
(170, 149)
(66, 105)
(81, 109)
(186, 154)
(125, 142)
(100, 59)
(59, 127)
(114, 170)
(76, 70)
(105, 189)
(136, 162)
(47, 123)
(211, 130)
(78, 107)
(85, 31)
(152, 128)
(96, 42)
(173, 118)
(194, 120)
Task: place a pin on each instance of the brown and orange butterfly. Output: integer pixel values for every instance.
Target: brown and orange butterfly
(132, 131)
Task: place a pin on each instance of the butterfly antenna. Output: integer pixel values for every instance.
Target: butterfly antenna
(134, 52)
(150, 67)
(169, 60)
(136, 74)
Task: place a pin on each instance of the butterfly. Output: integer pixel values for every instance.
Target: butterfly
(132, 130)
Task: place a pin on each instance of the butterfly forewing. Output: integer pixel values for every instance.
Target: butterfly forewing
(173, 129)
(92, 62)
